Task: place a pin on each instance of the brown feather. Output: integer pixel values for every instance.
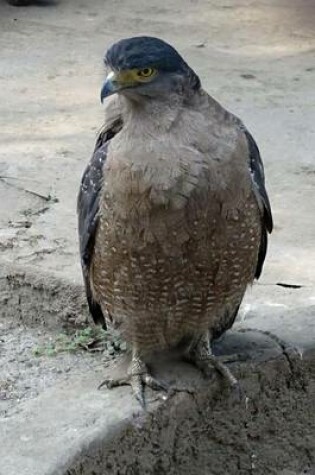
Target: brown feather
(180, 226)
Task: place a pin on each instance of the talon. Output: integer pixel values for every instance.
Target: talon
(173, 390)
(113, 383)
(239, 394)
(138, 377)
(201, 355)
(154, 384)
(103, 383)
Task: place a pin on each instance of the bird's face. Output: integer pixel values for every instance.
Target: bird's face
(145, 66)
(137, 79)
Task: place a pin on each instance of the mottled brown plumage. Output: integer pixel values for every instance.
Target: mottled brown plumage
(179, 226)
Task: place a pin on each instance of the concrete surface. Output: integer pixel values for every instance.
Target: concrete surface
(74, 429)
(257, 58)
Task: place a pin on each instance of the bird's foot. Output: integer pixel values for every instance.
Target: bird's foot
(201, 355)
(138, 378)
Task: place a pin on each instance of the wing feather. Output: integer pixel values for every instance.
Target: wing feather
(258, 178)
(88, 213)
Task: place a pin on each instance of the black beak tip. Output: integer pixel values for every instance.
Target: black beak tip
(107, 90)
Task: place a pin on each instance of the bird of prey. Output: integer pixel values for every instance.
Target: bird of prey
(173, 210)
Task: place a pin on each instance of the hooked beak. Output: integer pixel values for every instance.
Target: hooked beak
(117, 81)
(110, 86)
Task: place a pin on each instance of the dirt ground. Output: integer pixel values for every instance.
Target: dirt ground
(257, 58)
(24, 374)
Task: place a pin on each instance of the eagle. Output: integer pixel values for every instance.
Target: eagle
(173, 211)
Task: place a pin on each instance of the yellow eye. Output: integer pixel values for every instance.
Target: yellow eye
(146, 73)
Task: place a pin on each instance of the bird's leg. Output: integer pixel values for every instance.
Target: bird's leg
(201, 355)
(138, 377)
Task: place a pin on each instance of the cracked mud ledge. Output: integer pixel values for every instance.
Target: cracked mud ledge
(36, 310)
(38, 299)
(209, 433)
(204, 433)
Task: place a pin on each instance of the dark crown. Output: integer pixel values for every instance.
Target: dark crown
(147, 51)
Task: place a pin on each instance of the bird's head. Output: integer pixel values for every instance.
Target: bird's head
(146, 66)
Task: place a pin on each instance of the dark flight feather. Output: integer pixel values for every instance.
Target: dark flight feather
(258, 177)
(87, 209)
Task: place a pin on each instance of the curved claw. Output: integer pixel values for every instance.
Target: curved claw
(114, 383)
(137, 381)
(154, 383)
(201, 355)
(239, 395)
